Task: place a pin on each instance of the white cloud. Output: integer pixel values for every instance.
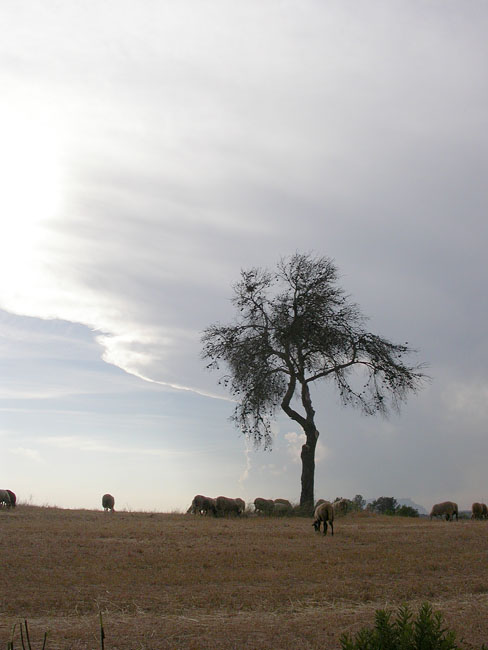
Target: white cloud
(271, 469)
(86, 444)
(295, 441)
(247, 465)
(467, 400)
(31, 454)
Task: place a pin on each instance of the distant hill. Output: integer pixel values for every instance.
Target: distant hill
(412, 504)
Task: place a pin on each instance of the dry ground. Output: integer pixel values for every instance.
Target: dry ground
(183, 581)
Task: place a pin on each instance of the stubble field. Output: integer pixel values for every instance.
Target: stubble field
(183, 581)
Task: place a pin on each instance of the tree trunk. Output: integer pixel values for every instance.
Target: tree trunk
(308, 449)
(308, 469)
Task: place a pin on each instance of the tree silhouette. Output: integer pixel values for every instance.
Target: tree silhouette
(295, 326)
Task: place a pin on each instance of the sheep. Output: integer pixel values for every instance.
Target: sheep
(5, 498)
(203, 505)
(227, 506)
(108, 502)
(284, 502)
(341, 507)
(197, 504)
(324, 512)
(266, 506)
(448, 508)
(281, 509)
(13, 498)
(242, 505)
(479, 511)
(476, 511)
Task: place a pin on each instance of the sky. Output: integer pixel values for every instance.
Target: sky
(150, 152)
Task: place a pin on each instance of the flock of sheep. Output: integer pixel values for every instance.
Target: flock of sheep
(221, 506)
(323, 512)
(449, 510)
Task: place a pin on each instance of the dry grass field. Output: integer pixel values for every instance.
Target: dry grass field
(184, 581)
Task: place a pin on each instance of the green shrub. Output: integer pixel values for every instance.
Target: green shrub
(407, 511)
(426, 632)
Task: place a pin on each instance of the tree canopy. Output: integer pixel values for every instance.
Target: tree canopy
(295, 326)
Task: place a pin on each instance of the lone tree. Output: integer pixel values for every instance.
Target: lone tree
(295, 326)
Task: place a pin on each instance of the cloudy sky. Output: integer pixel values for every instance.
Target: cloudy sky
(150, 151)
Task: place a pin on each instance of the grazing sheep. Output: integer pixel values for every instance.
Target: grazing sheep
(285, 503)
(476, 511)
(341, 507)
(264, 506)
(227, 506)
(324, 512)
(479, 511)
(448, 508)
(108, 502)
(242, 505)
(203, 505)
(281, 509)
(13, 498)
(5, 498)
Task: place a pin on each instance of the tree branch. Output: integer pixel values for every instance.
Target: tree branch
(285, 403)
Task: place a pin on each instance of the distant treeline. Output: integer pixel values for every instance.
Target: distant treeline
(381, 506)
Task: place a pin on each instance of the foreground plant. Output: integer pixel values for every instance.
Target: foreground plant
(25, 630)
(10, 644)
(426, 632)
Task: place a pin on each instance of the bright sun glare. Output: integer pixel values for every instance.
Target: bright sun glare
(29, 197)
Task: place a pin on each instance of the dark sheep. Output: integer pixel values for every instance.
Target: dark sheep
(203, 505)
(108, 502)
(265, 506)
(242, 505)
(13, 498)
(476, 511)
(5, 498)
(227, 506)
(479, 511)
